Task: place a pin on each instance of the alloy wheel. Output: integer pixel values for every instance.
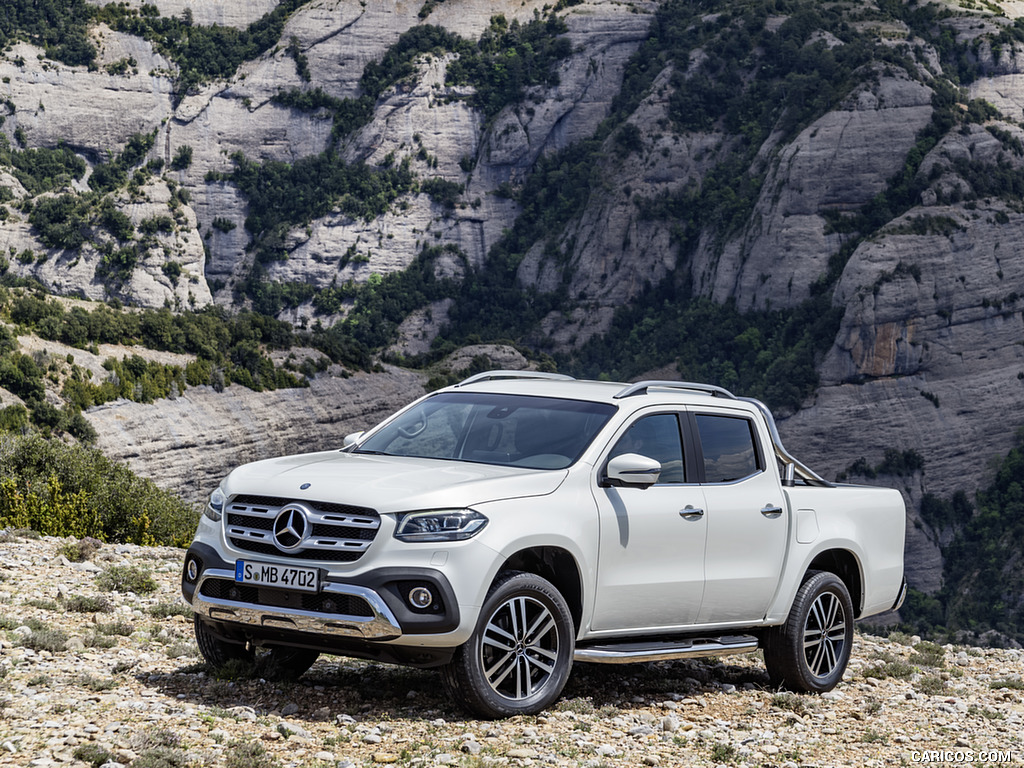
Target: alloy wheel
(824, 634)
(519, 648)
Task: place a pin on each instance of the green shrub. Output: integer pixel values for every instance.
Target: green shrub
(166, 610)
(45, 638)
(93, 754)
(117, 628)
(67, 490)
(932, 685)
(97, 684)
(249, 754)
(1010, 683)
(116, 222)
(87, 604)
(890, 666)
(509, 58)
(155, 224)
(42, 170)
(161, 757)
(927, 654)
(442, 191)
(80, 550)
(127, 578)
(54, 512)
(62, 222)
(182, 158)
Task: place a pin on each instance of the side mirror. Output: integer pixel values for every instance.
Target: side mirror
(350, 441)
(631, 470)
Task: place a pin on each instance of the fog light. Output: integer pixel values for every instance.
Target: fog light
(420, 597)
(192, 570)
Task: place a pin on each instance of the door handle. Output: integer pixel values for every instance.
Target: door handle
(770, 510)
(691, 513)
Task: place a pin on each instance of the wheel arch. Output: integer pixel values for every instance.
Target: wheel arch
(846, 566)
(558, 566)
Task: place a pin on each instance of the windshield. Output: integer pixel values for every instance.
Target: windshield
(511, 430)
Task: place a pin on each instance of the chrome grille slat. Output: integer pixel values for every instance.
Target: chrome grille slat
(336, 532)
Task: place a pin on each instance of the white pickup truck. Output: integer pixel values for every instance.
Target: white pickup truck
(505, 527)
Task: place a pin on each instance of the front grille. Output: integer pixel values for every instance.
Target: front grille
(338, 533)
(320, 602)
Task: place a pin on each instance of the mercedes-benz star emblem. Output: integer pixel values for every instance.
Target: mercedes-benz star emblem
(290, 527)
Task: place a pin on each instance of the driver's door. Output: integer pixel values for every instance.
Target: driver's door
(650, 570)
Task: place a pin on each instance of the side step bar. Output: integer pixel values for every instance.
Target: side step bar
(666, 650)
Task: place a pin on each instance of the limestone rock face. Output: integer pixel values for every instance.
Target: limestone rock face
(190, 443)
(927, 358)
(836, 164)
(615, 252)
(226, 13)
(170, 270)
(93, 112)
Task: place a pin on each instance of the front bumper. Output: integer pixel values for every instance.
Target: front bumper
(373, 607)
(380, 624)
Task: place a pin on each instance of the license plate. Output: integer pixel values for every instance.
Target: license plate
(279, 576)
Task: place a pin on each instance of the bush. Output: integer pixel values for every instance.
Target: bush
(44, 638)
(80, 550)
(182, 158)
(249, 754)
(93, 754)
(87, 604)
(62, 222)
(66, 490)
(127, 578)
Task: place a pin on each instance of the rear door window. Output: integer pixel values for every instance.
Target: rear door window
(730, 452)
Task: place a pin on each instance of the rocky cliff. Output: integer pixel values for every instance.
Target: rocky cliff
(896, 195)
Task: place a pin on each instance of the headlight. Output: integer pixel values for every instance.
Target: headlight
(439, 525)
(215, 507)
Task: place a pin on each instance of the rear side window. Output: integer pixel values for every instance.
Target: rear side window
(730, 452)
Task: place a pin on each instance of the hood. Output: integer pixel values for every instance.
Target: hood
(389, 483)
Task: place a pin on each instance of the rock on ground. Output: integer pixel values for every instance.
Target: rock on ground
(126, 684)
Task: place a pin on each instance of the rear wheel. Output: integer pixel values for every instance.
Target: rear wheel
(278, 663)
(519, 657)
(809, 653)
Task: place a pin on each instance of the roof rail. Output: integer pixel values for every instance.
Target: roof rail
(491, 375)
(805, 473)
(641, 388)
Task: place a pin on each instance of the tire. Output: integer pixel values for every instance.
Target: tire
(218, 652)
(283, 664)
(520, 654)
(276, 663)
(809, 653)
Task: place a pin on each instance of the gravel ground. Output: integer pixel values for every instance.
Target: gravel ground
(94, 676)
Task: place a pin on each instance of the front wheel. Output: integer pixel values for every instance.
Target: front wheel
(216, 651)
(519, 657)
(276, 663)
(810, 651)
